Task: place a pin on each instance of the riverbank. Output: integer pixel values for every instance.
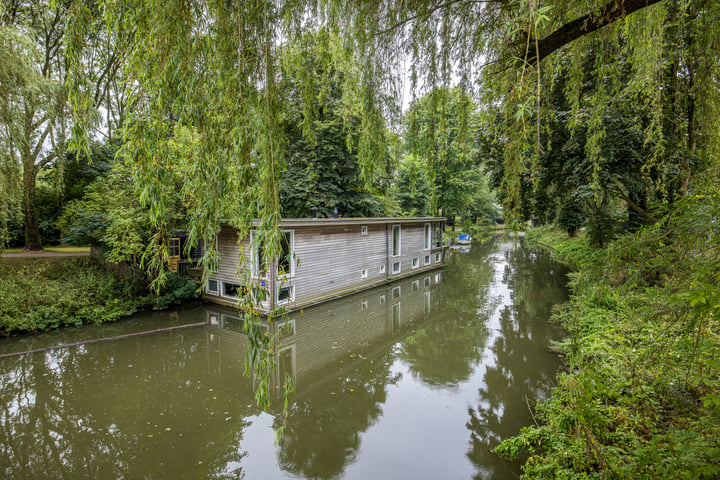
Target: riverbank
(640, 397)
(46, 292)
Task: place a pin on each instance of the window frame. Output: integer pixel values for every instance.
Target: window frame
(255, 270)
(291, 294)
(397, 227)
(427, 237)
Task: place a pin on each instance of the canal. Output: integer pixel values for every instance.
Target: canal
(417, 379)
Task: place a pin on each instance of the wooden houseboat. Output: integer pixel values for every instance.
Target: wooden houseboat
(324, 259)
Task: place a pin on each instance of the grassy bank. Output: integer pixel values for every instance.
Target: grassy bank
(44, 293)
(640, 397)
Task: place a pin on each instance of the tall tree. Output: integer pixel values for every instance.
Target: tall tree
(322, 170)
(441, 129)
(35, 112)
(33, 98)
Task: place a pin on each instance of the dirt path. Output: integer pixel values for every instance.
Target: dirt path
(45, 254)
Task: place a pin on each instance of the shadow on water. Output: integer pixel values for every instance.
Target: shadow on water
(420, 378)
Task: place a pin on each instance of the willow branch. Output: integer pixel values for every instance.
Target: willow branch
(613, 11)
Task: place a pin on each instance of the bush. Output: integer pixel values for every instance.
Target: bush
(42, 294)
(641, 396)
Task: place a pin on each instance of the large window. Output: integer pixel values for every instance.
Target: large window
(259, 262)
(438, 236)
(285, 264)
(396, 240)
(231, 289)
(428, 237)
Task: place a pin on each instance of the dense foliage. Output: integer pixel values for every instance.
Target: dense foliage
(611, 104)
(641, 395)
(441, 129)
(322, 172)
(41, 294)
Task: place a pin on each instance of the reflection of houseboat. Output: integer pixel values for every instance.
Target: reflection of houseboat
(322, 336)
(324, 259)
(463, 239)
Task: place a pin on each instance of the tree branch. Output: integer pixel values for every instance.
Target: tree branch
(631, 204)
(615, 10)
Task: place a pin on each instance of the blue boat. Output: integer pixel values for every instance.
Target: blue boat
(464, 239)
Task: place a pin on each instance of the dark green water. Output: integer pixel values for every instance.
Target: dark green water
(419, 379)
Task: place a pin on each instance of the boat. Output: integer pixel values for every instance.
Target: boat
(464, 239)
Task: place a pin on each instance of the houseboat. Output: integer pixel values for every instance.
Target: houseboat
(324, 259)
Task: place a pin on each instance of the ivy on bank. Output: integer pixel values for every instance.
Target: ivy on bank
(640, 397)
(40, 294)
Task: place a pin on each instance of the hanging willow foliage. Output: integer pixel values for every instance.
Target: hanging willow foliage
(211, 70)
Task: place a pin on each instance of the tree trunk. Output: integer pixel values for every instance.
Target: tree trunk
(32, 227)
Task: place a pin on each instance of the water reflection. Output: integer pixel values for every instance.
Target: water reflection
(420, 378)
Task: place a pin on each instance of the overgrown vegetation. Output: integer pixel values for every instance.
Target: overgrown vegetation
(42, 294)
(641, 394)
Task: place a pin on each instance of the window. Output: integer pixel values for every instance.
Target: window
(174, 248)
(233, 289)
(396, 317)
(427, 302)
(427, 260)
(363, 230)
(259, 262)
(364, 305)
(415, 286)
(438, 256)
(396, 267)
(396, 292)
(382, 299)
(363, 273)
(212, 286)
(438, 278)
(426, 282)
(285, 262)
(427, 239)
(438, 236)
(382, 268)
(285, 294)
(415, 262)
(396, 241)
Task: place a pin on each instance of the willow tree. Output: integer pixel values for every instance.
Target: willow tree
(212, 67)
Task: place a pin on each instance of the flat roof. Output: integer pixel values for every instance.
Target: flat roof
(308, 222)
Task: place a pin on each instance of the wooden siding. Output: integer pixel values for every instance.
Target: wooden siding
(329, 260)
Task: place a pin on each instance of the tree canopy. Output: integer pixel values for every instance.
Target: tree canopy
(215, 67)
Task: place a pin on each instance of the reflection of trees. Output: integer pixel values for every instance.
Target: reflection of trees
(114, 411)
(323, 427)
(443, 353)
(523, 369)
